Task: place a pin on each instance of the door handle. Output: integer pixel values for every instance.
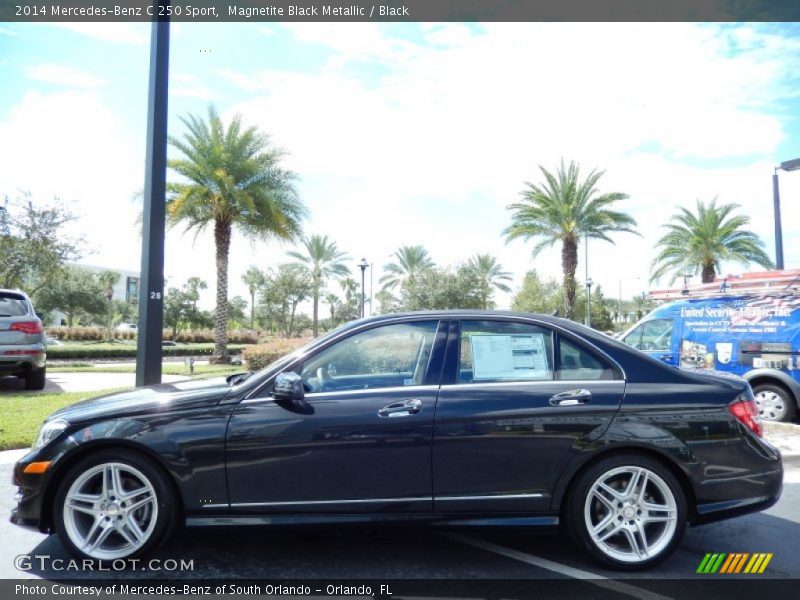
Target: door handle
(666, 357)
(401, 409)
(571, 397)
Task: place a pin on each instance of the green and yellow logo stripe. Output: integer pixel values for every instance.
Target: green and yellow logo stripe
(734, 562)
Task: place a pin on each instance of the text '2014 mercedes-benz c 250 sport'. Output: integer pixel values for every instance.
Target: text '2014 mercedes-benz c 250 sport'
(452, 418)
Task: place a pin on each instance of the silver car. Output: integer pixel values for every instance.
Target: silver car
(22, 340)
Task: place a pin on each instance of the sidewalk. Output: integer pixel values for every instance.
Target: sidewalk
(786, 436)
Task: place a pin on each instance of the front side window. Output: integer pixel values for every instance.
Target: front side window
(576, 363)
(504, 351)
(654, 335)
(388, 356)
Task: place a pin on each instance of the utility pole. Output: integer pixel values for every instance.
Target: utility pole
(151, 284)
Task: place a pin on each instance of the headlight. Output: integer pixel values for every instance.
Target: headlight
(49, 431)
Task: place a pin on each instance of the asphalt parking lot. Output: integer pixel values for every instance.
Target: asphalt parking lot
(418, 553)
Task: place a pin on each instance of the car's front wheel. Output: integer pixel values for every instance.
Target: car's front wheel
(113, 505)
(628, 511)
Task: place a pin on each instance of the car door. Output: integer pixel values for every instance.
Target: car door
(517, 402)
(360, 441)
(655, 337)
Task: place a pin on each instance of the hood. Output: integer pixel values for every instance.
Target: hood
(152, 399)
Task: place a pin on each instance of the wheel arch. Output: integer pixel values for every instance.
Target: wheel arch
(566, 485)
(774, 377)
(68, 461)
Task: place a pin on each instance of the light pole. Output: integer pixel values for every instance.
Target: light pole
(363, 266)
(371, 278)
(589, 302)
(787, 165)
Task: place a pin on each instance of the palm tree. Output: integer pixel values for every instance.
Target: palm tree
(334, 303)
(563, 209)
(490, 275)
(108, 279)
(234, 181)
(408, 262)
(702, 240)
(323, 259)
(253, 278)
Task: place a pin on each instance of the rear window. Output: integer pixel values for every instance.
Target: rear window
(12, 305)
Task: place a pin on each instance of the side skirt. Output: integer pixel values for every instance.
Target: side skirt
(435, 520)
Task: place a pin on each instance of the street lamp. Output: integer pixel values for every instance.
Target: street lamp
(787, 165)
(589, 283)
(363, 266)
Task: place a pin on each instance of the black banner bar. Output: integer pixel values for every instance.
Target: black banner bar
(401, 11)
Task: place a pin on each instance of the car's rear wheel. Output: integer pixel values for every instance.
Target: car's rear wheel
(628, 511)
(35, 380)
(114, 505)
(774, 402)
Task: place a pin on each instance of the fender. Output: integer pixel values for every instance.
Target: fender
(780, 376)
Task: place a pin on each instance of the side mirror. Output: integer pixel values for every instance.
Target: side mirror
(288, 386)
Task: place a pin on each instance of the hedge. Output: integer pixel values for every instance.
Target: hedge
(104, 351)
(259, 356)
(97, 334)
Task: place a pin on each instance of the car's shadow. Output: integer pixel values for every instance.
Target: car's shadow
(16, 384)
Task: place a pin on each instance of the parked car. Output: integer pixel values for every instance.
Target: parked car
(754, 336)
(128, 327)
(22, 340)
(453, 418)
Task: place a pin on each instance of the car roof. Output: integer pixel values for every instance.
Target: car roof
(15, 292)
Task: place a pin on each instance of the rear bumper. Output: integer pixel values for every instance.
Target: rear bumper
(19, 359)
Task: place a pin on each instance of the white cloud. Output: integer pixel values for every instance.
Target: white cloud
(9, 32)
(473, 115)
(63, 75)
(117, 33)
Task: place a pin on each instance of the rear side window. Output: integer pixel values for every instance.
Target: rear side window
(12, 305)
(504, 351)
(576, 362)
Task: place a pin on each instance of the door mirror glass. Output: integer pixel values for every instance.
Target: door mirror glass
(288, 386)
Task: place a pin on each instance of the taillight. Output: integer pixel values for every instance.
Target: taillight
(27, 327)
(746, 411)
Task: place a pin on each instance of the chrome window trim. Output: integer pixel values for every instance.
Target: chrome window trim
(550, 382)
(359, 392)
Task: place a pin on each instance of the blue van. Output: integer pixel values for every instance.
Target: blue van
(755, 336)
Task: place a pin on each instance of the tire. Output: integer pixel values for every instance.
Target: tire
(618, 519)
(774, 402)
(34, 380)
(150, 513)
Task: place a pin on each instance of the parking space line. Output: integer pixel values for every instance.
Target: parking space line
(543, 563)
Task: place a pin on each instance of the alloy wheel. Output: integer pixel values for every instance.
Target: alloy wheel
(630, 514)
(110, 511)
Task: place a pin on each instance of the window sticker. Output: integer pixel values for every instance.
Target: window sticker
(509, 357)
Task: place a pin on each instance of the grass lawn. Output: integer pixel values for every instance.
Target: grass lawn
(166, 369)
(22, 413)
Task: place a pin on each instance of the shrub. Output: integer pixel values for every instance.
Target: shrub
(106, 351)
(259, 356)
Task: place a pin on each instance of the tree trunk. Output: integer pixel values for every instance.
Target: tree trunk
(222, 241)
(315, 322)
(569, 263)
(709, 274)
(252, 309)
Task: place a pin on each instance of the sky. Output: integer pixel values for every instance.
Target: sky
(416, 133)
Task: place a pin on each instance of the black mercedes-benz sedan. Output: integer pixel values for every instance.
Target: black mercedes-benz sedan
(453, 418)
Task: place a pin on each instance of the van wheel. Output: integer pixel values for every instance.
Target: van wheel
(774, 402)
(627, 511)
(35, 380)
